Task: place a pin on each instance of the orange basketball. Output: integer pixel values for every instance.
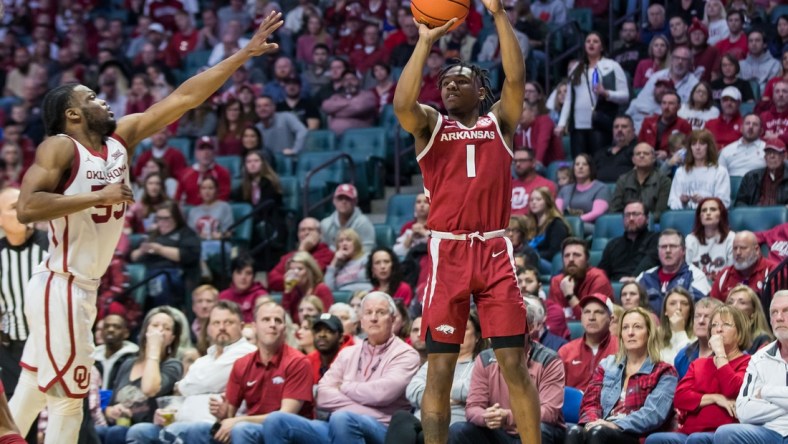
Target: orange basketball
(435, 13)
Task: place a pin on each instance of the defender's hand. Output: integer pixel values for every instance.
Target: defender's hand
(493, 5)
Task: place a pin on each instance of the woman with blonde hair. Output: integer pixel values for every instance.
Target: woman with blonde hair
(348, 270)
(748, 302)
(706, 396)
(675, 328)
(714, 17)
(303, 278)
(606, 415)
(658, 59)
(310, 306)
(551, 228)
(701, 175)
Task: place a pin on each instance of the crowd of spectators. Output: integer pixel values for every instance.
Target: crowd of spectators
(688, 110)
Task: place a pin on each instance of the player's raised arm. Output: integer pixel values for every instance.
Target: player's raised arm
(509, 108)
(414, 117)
(38, 199)
(197, 89)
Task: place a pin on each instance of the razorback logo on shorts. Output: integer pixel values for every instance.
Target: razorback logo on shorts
(445, 329)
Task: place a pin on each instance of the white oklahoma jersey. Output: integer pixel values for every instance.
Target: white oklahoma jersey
(61, 295)
(82, 243)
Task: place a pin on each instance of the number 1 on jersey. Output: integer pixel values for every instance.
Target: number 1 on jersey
(470, 160)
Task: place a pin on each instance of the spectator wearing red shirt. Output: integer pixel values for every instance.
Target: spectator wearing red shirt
(164, 11)
(706, 58)
(710, 387)
(727, 127)
(777, 241)
(430, 90)
(656, 130)
(775, 120)
(582, 356)
(736, 43)
(309, 235)
(175, 160)
(526, 180)
(275, 378)
(189, 186)
(183, 42)
(244, 290)
(371, 52)
(749, 267)
(578, 280)
(139, 97)
(329, 340)
(536, 131)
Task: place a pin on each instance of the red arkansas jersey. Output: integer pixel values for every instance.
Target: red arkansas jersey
(467, 176)
(83, 243)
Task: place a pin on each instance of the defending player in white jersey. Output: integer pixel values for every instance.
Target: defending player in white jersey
(79, 183)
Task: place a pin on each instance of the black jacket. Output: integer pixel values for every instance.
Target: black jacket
(750, 189)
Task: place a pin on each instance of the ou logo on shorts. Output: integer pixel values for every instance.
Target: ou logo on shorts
(81, 376)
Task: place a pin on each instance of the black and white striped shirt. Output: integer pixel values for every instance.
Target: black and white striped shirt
(16, 266)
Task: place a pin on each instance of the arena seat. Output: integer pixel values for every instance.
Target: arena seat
(552, 169)
(367, 147)
(576, 224)
(757, 218)
(325, 181)
(576, 329)
(735, 184)
(400, 210)
(617, 285)
(320, 140)
(341, 296)
(558, 264)
(285, 165)
(291, 193)
(136, 274)
(778, 12)
(242, 234)
(606, 227)
(184, 145)
(384, 235)
(231, 164)
(681, 220)
(276, 297)
(583, 16)
(594, 258)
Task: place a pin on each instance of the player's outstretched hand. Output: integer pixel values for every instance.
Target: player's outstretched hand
(493, 5)
(115, 193)
(433, 34)
(259, 45)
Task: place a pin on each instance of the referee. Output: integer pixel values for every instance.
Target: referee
(21, 250)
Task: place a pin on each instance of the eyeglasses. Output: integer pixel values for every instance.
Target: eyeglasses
(723, 325)
(633, 214)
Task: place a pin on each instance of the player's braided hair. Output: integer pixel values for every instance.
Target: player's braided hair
(480, 73)
(53, 108)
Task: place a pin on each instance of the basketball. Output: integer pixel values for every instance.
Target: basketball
(435, 13)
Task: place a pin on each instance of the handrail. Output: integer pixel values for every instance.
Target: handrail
(776, 280)
(313, 171)
(129, 290)
(571, 51)
(399, 153)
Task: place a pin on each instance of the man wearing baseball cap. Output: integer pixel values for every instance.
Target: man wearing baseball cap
(745, 154)
(766, 186)
(205, 165)
(347, 215)
(581, 356)
(328, 332)
(727, 128)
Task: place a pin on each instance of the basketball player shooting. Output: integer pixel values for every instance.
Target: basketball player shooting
(79, 183)
(466, 159)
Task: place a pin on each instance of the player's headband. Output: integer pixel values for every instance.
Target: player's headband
(460, 70)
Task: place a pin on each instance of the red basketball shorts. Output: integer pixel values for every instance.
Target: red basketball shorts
(473, 266)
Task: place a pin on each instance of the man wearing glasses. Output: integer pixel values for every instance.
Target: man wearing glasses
(636, 251)
(526, 180)
(672, 272)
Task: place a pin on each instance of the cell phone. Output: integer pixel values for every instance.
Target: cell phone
(215, 428)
